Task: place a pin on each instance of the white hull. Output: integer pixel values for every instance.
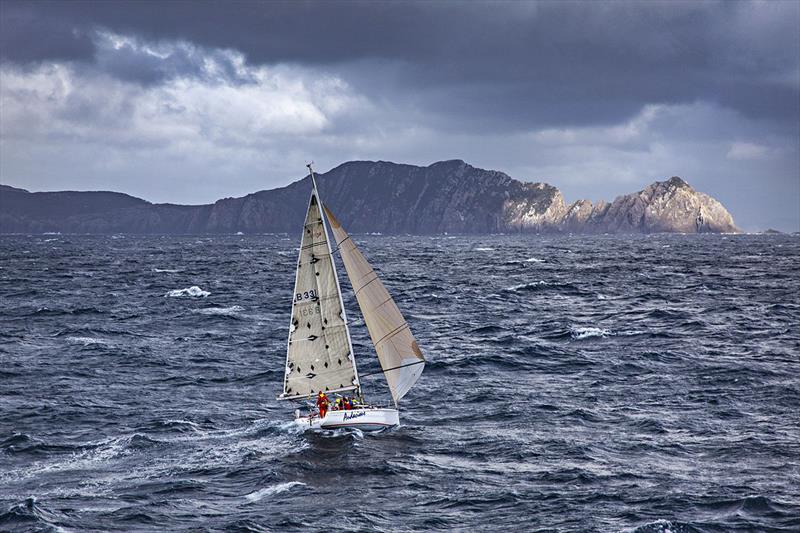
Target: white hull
(365, 419)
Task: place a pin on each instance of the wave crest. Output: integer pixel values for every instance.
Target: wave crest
(585, 332)
(272, 490)
(192, 292)
(220, 311)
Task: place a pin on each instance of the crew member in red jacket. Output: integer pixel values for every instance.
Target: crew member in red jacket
(322, 404)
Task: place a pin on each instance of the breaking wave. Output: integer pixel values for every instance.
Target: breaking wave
(527, 286)
(585, 332)
(85, 341)
(231, 311)
(193, 292)
(272, 490)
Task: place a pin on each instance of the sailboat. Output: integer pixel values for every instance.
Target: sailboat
(319, 355)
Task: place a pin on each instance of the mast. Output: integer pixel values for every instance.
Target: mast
(335, 274)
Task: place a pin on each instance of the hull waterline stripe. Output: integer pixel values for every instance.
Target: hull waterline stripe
(328, 426)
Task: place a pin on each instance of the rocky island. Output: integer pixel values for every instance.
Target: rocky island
(448, 196)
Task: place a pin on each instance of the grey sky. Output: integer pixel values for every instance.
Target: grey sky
(190, 102)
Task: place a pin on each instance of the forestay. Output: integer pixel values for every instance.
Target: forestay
(319, 356)
(400, 356)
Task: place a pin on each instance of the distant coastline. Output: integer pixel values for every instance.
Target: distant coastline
(380, 197)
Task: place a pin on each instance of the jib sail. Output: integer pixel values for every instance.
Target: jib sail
(398, 352)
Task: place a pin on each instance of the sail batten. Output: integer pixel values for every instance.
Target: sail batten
(400, 357)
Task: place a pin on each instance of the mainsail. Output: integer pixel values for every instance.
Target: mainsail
(320, 354)
(400, 356)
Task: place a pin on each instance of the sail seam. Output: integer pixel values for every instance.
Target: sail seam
(392, 333)
(307, 246)
(367, 283)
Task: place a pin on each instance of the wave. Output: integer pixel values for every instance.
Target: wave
(86, 341)
(526, 286)
(272, 490)
(586, 332)
(231, 311)
(86, 456)
(193, 292)
(46, 311)
(488, 329)
(142, 442)
(31, 512)
(22, 443)
(172, 426)
(181, 425)
(666, 526)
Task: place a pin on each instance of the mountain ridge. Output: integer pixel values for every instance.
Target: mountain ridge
(379, 196)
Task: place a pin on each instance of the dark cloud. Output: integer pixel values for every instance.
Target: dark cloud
(28, 35)
(498, 64)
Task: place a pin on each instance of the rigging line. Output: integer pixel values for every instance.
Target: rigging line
(390, 369)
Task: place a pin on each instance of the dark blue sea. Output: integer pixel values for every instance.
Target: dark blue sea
(636, 384)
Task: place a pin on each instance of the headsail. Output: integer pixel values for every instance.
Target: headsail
(320, 355)
(400, 356)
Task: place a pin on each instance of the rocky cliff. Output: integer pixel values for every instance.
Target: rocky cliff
(449, 196)
(671, 206)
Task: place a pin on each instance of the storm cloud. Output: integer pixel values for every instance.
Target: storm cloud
(191, 101)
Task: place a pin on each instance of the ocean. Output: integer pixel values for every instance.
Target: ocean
(574, 383)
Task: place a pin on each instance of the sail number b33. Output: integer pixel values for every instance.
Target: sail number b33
(307, 295)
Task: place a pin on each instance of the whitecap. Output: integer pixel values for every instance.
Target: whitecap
(86, 341)
(484, 249)
(579, 332)
(181, 424)
(194, 291)
(272, 490)
(516, 288)
(534, 260)
(170, 270)
(220, 311)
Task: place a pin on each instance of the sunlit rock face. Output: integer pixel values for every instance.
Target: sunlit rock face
(536, 207)
(576, 218)
(369, 196)
(671, 206)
